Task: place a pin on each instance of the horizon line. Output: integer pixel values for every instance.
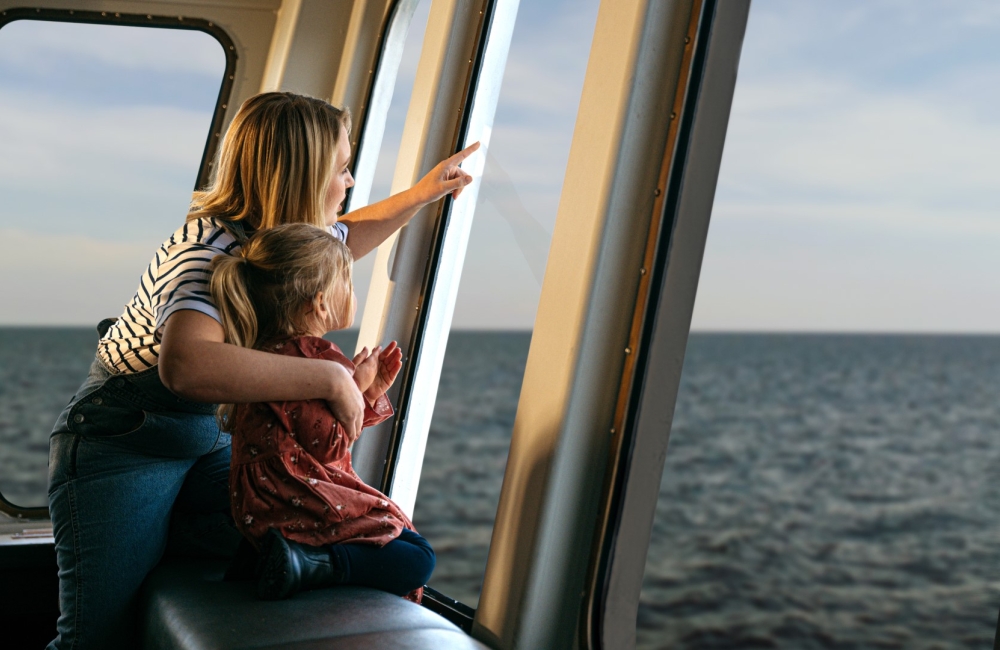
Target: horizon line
(711, 331)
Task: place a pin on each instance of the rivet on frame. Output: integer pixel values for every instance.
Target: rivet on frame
(104, 13)
(148, 17)
(687, 39)
(642, 271)
(223, 106)
(628, 350)
(211, 25)
(117, 15)
(612, 431)
(656, 192)
(673, 116)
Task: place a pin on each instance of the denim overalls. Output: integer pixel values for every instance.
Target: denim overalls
(130, 464)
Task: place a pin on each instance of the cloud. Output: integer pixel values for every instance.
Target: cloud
(848, 142)
(97, 168)
(57, 279)
(37, 46)
(859, 185)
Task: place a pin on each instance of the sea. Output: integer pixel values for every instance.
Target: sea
(820, 491)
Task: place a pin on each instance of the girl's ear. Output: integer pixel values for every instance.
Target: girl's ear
(319, 307)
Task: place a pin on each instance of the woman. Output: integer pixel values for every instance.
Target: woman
(137, 464)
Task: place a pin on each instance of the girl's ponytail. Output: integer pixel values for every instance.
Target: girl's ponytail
(232, 297)
(239, 320)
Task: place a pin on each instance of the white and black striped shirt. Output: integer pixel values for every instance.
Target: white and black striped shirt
(177, 278)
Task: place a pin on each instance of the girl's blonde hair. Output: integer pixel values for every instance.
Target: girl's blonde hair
(264, 291)
(275, 162)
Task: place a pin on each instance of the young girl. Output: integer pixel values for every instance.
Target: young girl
(294, 492)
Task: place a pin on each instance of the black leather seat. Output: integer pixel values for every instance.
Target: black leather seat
(187, 605)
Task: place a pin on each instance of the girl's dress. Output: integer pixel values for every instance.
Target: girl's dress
(291, 469)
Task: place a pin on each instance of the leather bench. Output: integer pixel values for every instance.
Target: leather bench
(186, 605)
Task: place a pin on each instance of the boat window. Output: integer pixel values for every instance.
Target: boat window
(387, 154)
(500, 287)
(102, 132)
(832, 471)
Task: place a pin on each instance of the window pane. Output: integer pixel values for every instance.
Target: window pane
(389, 152)
(501, 283)
(832, 475)
(102, 129)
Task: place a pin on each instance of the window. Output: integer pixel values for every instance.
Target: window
(389, 151)
(501, 283)
(830, 480)
(102, 129)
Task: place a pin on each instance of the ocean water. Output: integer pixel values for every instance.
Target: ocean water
(820, 491)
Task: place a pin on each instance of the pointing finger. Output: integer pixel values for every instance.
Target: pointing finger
(457, 158)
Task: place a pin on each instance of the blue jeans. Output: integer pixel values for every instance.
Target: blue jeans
(134, 472)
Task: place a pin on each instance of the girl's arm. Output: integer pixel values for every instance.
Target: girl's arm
(196, 364)
(371, 225)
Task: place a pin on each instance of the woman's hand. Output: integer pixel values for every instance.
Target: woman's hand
(346, 402)
(371, 225)
(446, 177)
(390, 361)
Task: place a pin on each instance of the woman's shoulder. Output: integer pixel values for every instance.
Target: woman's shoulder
(204, 234)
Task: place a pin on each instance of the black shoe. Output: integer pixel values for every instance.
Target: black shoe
(288, 567)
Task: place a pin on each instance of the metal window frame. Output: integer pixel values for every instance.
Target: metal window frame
(662, 320)
(422, 359)
(641, 153)
(375, 104)
(212, 141)
(417, 270)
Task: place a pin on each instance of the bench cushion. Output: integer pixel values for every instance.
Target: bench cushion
(187, 605)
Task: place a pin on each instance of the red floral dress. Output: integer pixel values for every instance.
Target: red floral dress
(291, 469)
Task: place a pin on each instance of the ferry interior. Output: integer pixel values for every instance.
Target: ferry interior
(572, 528)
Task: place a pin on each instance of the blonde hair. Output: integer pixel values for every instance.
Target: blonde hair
(275, 162)
(263, 292)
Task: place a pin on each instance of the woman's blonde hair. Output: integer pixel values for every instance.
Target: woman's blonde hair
(264, 292)
(275, 162)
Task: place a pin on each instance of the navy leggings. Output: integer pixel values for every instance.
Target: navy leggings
(399, 567)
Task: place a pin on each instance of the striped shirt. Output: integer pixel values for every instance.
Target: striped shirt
(177, 278)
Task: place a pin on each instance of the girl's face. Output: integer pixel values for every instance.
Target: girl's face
(336, 191)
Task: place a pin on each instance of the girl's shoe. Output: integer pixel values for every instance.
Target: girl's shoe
(288, 567)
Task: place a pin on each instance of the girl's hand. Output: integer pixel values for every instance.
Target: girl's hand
(446, 177)
(390, 361)
(365, 367)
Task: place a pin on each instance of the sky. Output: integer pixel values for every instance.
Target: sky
(858, 189)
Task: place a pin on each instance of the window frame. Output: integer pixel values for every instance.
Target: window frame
(213, 139)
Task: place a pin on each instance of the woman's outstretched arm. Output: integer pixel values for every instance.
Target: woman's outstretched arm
(371, 225)
(196, 364)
